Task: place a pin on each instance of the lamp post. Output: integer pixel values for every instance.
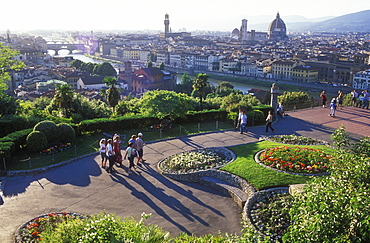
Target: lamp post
(334, 75)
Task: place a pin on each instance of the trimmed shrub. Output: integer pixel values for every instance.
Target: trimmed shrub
(6, 149)
(18, 137)
(36, 141)
(50, 130)
(66, 134)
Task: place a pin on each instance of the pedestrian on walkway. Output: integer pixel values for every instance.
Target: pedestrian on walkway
(333, 107)
(354, 98)
(111, 156)
(139, 147)
(242, 121)
(132, 140)
(269, 121)
(323, 98)
(340, 99)
(103, 152)
(130, 155)
(280, 110)
(117, 148)
(365, 101)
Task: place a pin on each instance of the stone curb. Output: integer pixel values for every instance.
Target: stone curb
(224, 185)
(12, 173)
(254, 198)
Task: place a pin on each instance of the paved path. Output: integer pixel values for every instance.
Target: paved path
(83, 187)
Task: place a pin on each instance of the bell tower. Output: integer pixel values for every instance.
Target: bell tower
(166, 24)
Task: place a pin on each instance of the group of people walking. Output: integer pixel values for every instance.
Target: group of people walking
(337, 102)
(110, 150)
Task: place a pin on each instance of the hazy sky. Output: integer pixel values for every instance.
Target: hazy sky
(149, 14)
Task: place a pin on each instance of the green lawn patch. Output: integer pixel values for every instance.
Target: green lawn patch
(259, 176)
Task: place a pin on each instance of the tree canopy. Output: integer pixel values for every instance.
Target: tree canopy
(7, 63)
(164, 103)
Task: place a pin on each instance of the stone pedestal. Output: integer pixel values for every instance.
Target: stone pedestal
(274, 97)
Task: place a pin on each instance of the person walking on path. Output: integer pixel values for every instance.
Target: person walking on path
(130, 155)
(340, 99)
(269, 121)
(242, 121)
(280, 110)
(139, 147)
(111, 156)
(323, 98)
(132, 140)
(103, 152)
(117, 149)
(365, 101)
(354, 98)
(333, 107)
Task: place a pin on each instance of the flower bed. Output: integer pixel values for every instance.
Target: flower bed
(295, 159)
(196, 160)
(269, 213)
(295, 139)
(30, 231)
(56, 148)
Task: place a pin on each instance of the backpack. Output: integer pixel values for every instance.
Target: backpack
(133, 152)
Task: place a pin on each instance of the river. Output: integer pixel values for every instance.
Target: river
(240, 86)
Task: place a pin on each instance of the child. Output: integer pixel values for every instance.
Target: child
(333, 107)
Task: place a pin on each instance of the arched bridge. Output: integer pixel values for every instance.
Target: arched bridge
(70, 47)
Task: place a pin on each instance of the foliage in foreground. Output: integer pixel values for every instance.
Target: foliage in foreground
(335, 208)
(105, 228)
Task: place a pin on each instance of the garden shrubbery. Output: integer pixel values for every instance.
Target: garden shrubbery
(66, 133)
(36, 141)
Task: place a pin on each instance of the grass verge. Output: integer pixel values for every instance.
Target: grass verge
(258, 176)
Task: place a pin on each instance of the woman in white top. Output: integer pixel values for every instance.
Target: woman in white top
(103, 152)
(111, 156)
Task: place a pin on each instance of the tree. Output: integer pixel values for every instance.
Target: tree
(164, 103)
(7, 63)
(150, 64)
(113, 94)
(185, 86)
(76, 64)
(8, 104)
(64, 98)
(105, 69)
(199, 84)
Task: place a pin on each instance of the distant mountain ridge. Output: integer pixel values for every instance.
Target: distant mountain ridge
(354, 22)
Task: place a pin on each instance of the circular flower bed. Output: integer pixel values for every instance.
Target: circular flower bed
(295, 159)
(30, 231)
(295, 139)
(196, 160)
(270, 213)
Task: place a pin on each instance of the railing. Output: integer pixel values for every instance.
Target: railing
(297, 105)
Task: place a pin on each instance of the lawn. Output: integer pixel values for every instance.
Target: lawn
(89, 143)
(258, 176)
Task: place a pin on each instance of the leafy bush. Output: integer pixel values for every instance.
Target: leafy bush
(104, 228)
(334, 208)
(50, 130)
(66, 134)
(36, 141)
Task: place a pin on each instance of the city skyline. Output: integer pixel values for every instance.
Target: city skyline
(86, 15)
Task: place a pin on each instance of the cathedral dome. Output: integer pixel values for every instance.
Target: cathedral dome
(277, 29)
(235, 33)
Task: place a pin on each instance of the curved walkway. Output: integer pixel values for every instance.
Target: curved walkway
(83, 187)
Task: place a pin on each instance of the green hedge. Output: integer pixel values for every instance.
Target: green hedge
(205, 115)
(13, 142)
(264, 108)
(114, 124)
